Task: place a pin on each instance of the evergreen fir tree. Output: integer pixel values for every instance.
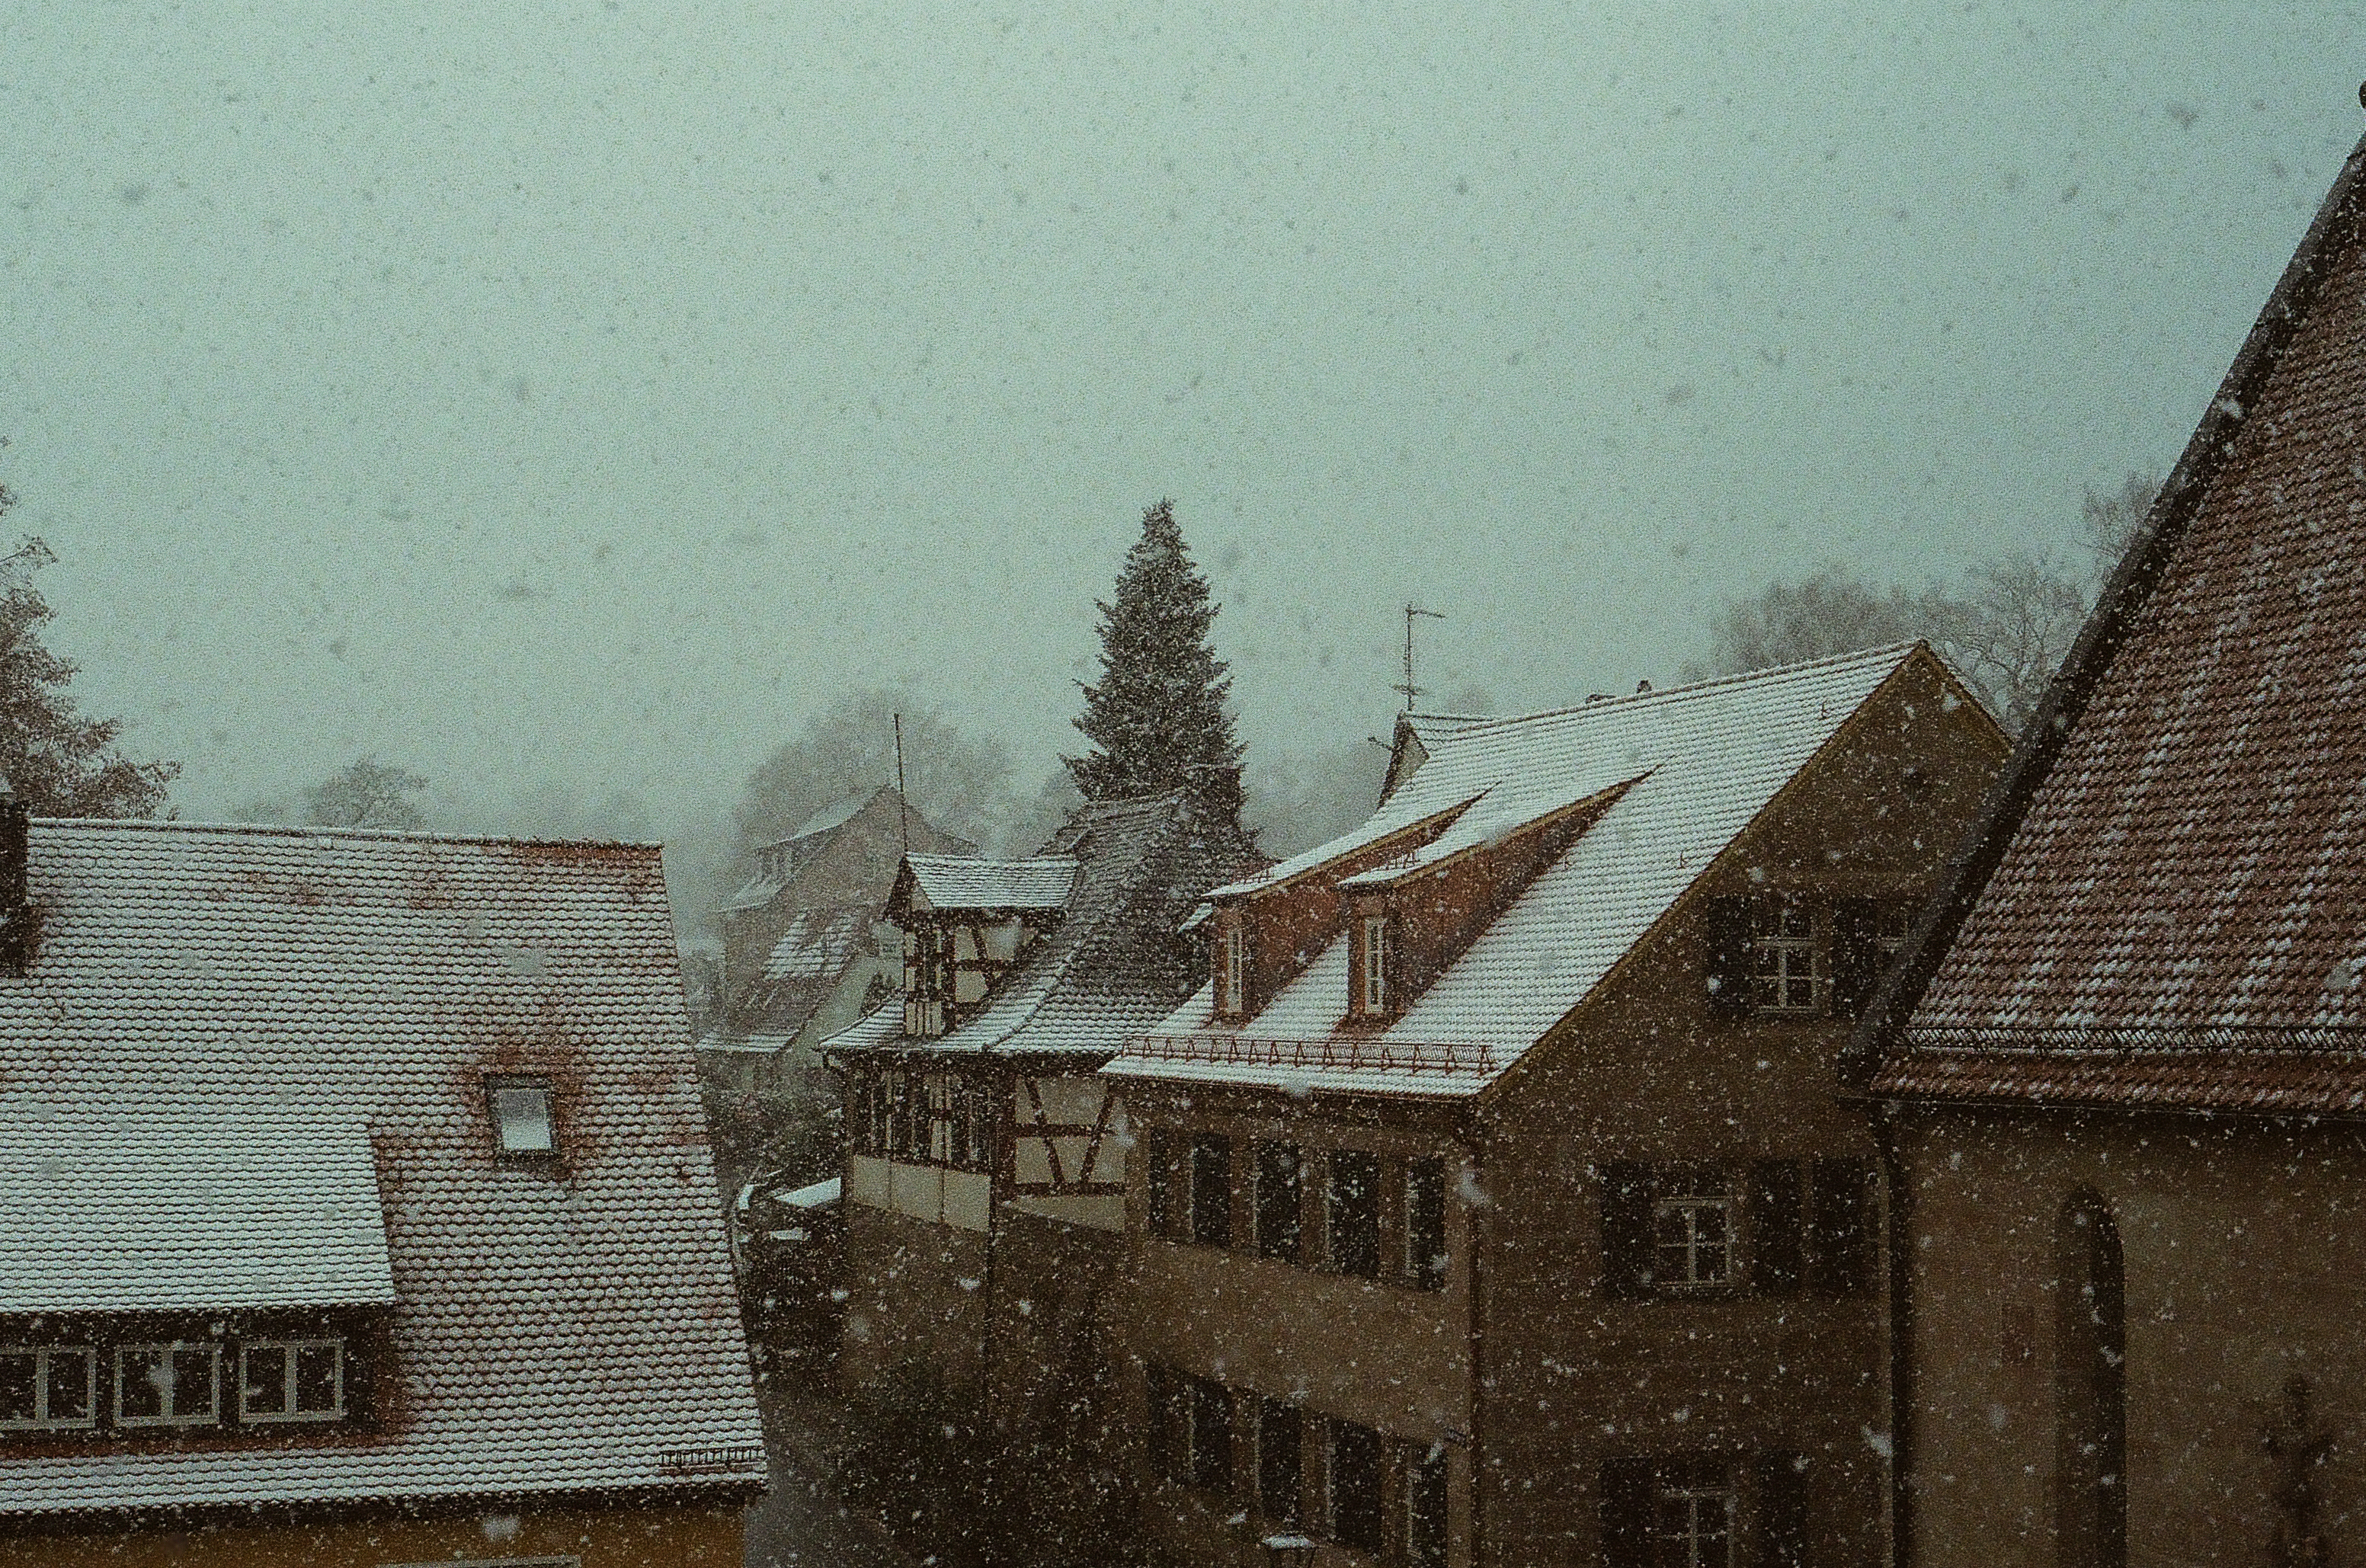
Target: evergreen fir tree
(1159, 707)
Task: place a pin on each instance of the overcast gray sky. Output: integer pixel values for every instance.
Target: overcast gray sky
(583, 390)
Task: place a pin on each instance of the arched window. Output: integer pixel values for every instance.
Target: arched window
(2091, 1389)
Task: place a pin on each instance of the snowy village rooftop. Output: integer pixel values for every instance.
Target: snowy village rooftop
(1678, 774)
(255, 1069)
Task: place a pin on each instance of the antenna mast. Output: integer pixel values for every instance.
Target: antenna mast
(1408, 688)
(903, 806)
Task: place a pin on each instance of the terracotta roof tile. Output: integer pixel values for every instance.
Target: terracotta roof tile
(2178, 877)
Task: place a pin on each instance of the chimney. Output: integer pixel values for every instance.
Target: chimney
(1212, 790)
(15, 908)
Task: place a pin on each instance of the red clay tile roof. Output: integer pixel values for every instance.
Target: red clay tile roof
(2168, 904)
(558, 1328)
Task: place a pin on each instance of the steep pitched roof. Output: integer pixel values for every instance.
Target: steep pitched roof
(1684, 771)
(2166, 904)
(323, 1007)
(1113, 963)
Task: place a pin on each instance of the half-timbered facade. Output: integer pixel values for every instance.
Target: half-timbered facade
(1497, 1205)
(355, 1207)
(985, 1167)
(2123, 1070)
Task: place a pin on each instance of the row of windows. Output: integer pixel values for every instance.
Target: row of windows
(1300, 1471)
(925, 1118)
(1704, 1511)
(169, 1384)
(1774, 1228)
(1779, 954)
(1329, 1207)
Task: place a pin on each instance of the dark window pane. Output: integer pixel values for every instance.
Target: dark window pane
(316, 1379)
(1425, 1510)
(1277, 1202)
(266, 1393)
(1212, 1435)
(70, 1385)
(1425, 1222)
(193, 1381)
(1211, 1190)
(1278, 1442)
(1356, 1486)
(1352, 1213)
(1694, 1517)
(140, 1374)
(16, 1385)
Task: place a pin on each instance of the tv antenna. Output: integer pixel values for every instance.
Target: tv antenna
(1408, 688)
(903, 806)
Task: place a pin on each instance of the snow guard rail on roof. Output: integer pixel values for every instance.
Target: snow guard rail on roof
(1350, 1054)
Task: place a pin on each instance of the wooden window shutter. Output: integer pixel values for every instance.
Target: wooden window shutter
(1629, 1484)
(1158, 1169)
(1778, 1219)
(1166, 1448)
(1857, 956)
(1627, 1230)
(1729, 957)
(1780, 1483)
(1840, 1227)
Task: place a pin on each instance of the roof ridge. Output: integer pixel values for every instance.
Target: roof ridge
(1687, 689)
(313, 830)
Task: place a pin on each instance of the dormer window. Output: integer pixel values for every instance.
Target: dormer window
(167, 1385)
(1232, 968)
(523, 1128)
(47, 1385)
(1374, 983)
(291, 1380)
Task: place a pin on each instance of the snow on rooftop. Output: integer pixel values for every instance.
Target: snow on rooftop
(119, 1206)
(326, 1007)
(967, 882)
(1698, 763)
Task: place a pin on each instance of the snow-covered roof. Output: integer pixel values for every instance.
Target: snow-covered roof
(1113, 965)
(821, 1194)
(288, 1034)
(1684, 769)
(968, 881)
(115, 1206)
(818, 943)
(829, 818)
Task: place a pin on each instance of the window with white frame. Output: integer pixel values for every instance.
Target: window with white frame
(1372, 997)
(291, 1380)
(1693, 1516)
(1693, 1232)
(172, 1384)
(47, 1386)
(522, 1127)
(1232, 968)
(1787, 958)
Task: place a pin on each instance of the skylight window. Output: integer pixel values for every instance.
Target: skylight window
(522, 1121)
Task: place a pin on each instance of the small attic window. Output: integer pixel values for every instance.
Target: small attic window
(522, 1122)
